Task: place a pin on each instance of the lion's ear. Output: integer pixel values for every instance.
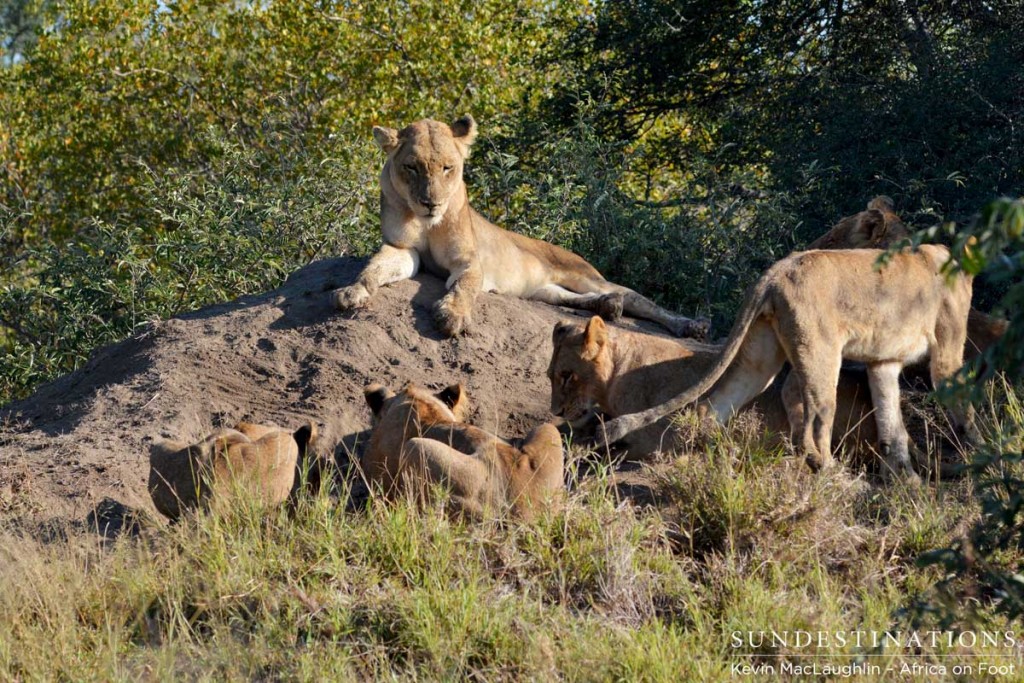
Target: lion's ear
(387, 138)
(464, 129)
(376, 395)
(464, 132)
(594, 338)
(305, 436)
(456, 398)
(561, 331)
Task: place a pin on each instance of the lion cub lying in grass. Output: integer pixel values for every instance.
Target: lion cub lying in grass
(182, 476)
(419, 440)
(622, 372)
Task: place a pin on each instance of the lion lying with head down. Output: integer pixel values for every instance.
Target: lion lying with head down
(427, 221)
(621, 372)
(419, 440)
(260, 458)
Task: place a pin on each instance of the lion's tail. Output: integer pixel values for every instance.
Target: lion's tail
(620, 427)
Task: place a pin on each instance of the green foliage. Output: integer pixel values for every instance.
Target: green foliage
(916, 100)
(696, 253)
(235, 228)
(994, 245)
(115, 86)
(20, 21)
(983, 562)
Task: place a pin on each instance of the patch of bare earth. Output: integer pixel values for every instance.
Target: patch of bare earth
(278, 358)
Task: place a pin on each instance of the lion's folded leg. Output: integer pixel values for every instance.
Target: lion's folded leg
(639, 306)
(428, 462)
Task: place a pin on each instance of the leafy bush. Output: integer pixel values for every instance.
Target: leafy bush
(111, 85)
(235, 228)
(983, 563)
(697, 252)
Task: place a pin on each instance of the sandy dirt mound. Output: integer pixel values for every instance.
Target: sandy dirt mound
(277, 358)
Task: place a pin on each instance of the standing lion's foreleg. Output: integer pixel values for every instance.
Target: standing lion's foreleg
(454, 312)
(946, 359)
(388, 265)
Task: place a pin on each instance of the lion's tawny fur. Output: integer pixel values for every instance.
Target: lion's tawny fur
(257, 457)
(419, 440)
(427, 222)
(819, 308)
(622, 372)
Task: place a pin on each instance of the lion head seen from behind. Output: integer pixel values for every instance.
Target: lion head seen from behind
(877, 227)
(425, 161)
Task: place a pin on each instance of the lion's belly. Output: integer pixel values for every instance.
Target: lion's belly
(508, 270)
(907, 347)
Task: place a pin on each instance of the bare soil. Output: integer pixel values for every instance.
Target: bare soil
(79, 446)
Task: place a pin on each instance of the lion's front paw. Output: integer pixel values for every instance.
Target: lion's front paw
(354, 296)
(816, 462)
(451, 317)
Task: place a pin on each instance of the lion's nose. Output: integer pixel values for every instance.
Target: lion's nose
(428, 204)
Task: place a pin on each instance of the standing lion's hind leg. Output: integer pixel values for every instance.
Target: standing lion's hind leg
(893, 440)
(818, 374)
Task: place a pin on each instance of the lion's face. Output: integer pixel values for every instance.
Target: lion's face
(580, 366)
(449, 405)
(878, 227)
(425, 163)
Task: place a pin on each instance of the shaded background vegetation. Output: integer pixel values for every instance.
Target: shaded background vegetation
(156, 156)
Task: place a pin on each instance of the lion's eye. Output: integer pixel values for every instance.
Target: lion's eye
(567, 377)
(447, 169)
(410, 168)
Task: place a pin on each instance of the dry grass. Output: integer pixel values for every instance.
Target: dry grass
(739, 540)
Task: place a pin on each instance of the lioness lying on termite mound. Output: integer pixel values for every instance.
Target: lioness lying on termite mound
(818, 308)
(183, 476)
(621, 372)
(427, 221)
(419, 440)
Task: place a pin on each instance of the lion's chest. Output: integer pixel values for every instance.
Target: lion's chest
(409, 233)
